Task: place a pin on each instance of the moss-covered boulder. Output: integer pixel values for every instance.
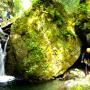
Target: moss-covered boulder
(43, 41)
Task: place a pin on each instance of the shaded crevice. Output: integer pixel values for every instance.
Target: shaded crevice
(82, 1)
(6, 28)
(81, 32)
(84, 43)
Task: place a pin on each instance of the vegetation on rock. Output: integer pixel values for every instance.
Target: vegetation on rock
(43, 41)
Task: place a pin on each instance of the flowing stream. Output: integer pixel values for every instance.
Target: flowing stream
(3, 45)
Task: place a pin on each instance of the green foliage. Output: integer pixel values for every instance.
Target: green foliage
(41, 1)
(82, 18)
(35, 1)
(83, 8)
(17, 6)
(71, 6)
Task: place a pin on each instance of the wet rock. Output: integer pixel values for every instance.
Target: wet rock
(73, 74)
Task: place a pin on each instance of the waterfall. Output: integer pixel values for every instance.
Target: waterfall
(3, 51)
(3, 77)
(5, 46)
(2, 57)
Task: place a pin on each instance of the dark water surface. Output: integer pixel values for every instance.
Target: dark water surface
(49, 85)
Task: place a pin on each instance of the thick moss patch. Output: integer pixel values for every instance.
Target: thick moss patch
(45, 44)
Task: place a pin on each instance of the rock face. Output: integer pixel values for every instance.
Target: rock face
(88, 38)
(43, 43)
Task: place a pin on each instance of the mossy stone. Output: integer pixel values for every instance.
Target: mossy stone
(45, 44)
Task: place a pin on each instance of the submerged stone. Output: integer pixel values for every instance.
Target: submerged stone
(43, 43)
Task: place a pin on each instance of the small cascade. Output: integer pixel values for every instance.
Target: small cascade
(5, 46)
(3, 77)
(2, 56)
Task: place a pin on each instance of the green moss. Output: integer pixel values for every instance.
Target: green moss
(47, 39)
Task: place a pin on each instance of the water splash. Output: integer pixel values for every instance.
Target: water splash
(5, 78)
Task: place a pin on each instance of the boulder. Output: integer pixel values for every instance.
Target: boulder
(43, 42)
(73, 74)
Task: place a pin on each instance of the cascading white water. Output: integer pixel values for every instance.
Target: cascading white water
(5, 46)
(3, 77)
(2, 56)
